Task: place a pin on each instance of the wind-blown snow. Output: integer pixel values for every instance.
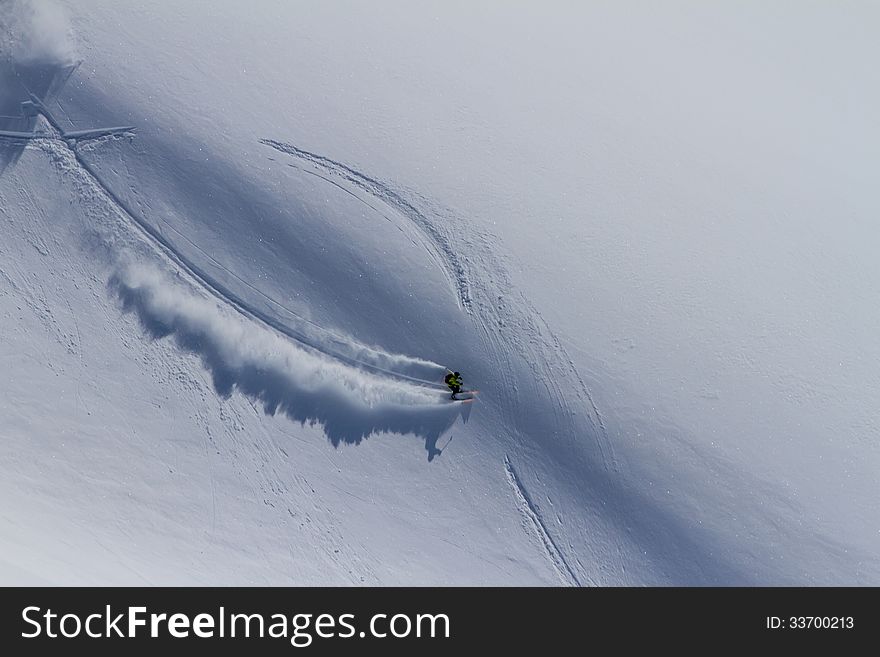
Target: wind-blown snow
(349, 403)
(36, 31)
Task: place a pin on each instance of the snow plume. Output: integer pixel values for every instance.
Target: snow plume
(350, 404)
(36, 31)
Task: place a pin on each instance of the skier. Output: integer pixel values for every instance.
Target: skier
(453, 380)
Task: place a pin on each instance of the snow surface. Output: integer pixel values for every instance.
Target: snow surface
(646, 234)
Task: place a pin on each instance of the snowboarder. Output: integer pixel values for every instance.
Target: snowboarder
(453, 380)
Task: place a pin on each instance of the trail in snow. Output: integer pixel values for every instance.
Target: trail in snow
(490, 314)
(560, 412)
(305, 386)
(533, 523)
(363, 409)
(243, 349)
(280, 392)
(320, 340)
(309, 334)
(441, 250)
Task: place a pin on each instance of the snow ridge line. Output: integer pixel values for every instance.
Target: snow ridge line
(213, 287)
(530, 512)
(450, 262)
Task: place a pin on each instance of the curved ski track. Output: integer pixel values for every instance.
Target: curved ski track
(491, 315)
(57, 148)
(441, 250)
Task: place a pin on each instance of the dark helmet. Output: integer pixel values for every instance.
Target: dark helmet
(457, 373)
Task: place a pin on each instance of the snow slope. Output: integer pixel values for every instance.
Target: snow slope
(644, 234)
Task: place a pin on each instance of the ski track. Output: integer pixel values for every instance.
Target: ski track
(493, 315)
(532, 517)
(382, 363)
(60, 154)
(491, 318)
(455, 270)
(444, 254)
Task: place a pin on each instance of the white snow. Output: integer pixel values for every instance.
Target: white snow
(647, 235)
